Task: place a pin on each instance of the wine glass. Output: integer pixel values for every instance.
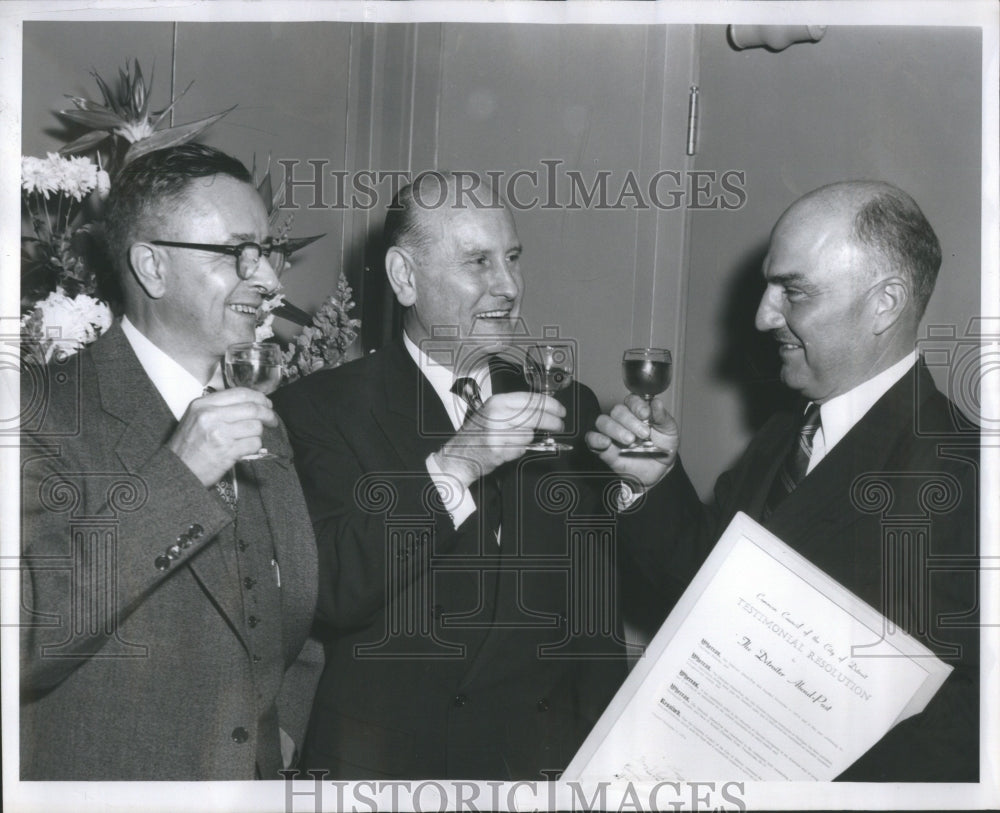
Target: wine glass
(256, 365)
(549, 368)
(646, 372)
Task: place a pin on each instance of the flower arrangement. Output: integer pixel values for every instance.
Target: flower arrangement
(325, 342)
(64, 297)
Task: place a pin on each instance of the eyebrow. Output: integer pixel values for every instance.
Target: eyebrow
(790, 278)
(244, 237)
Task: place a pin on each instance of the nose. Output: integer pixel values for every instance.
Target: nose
(264, 278)
(506, 282)
(769, 315)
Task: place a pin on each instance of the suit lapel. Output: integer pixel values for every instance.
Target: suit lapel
(411, 415)
(129, 395)
(820, 507)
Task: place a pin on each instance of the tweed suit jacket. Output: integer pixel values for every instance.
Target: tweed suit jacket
(155, 637)
(901, 487)
(447, 655)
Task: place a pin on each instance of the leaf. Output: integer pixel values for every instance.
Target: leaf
(293, 314)
(85, 104)
(171, 137)
(84, 142)
(95, 119)
(296, 243)
(264, 190)
(148, 93)
(158, 116)
(109, 97)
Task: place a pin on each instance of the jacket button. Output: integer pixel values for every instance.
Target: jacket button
(185, 541)
(253, 621)
(242, 545)
(543, 704)
(173, 551)
(162, 563)
(460, 700)
(240, 735)
(248, 583)
(195, 531)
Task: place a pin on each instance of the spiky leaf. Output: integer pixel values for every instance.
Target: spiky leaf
(85, 142)
(171, 137)
(95, 119)
(293, 314)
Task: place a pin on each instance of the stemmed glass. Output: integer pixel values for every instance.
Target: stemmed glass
(646, 372)
(549, 368)
(256, 365)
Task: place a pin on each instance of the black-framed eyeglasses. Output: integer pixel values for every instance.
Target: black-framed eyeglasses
(247, 254)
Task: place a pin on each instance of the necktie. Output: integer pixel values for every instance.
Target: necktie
(468, 390)
(490, 498)
(793, 467)
(226, 487)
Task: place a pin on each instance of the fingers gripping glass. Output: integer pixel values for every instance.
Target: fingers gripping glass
(256, 365)
(549, 368)
(646, 372)
(247, 254)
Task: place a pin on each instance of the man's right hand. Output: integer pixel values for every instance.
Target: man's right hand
(625, 424)
(498, 432)
(220, 428)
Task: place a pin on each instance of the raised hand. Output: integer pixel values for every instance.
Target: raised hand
(498, 432)
(220, 428)
(625, 424)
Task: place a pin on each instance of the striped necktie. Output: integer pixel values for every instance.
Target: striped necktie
(468, 390)
(226, 487)
(490, 496)
(793, 467)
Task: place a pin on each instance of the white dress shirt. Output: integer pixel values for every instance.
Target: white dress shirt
(839, 415)
(177, 386)
(458, 502)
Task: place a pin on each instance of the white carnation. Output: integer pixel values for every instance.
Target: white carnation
(70, 324)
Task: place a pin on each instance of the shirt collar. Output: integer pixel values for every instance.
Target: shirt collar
(442, 378)
(840, 414)
(177, 386)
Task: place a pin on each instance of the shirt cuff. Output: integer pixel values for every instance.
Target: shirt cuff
(627, 496)
(456, 498)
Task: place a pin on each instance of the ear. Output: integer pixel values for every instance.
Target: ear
(891, 300)
(399, 270)
(148, 269)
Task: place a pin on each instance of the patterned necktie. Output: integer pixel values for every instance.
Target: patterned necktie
(793, 467)
(226, 487)
(468, 390)
(490, 496)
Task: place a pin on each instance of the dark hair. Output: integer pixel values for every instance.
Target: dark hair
(891, 224)
(403, 226)
(153, 180)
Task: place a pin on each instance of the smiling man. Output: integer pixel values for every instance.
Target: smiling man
(167, 586)
(444, 592)
(848, 274)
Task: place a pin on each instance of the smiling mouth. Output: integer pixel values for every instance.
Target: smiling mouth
(497, 314)
(246, 310)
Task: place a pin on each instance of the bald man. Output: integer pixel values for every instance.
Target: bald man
(848, 274)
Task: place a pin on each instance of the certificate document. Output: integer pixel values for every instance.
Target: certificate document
(767, 669)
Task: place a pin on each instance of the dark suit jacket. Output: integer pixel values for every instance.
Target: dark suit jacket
(141, 660)
(892, 514)
(448, 656)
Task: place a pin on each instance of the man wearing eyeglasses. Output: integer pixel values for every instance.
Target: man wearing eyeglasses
(167, 586)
